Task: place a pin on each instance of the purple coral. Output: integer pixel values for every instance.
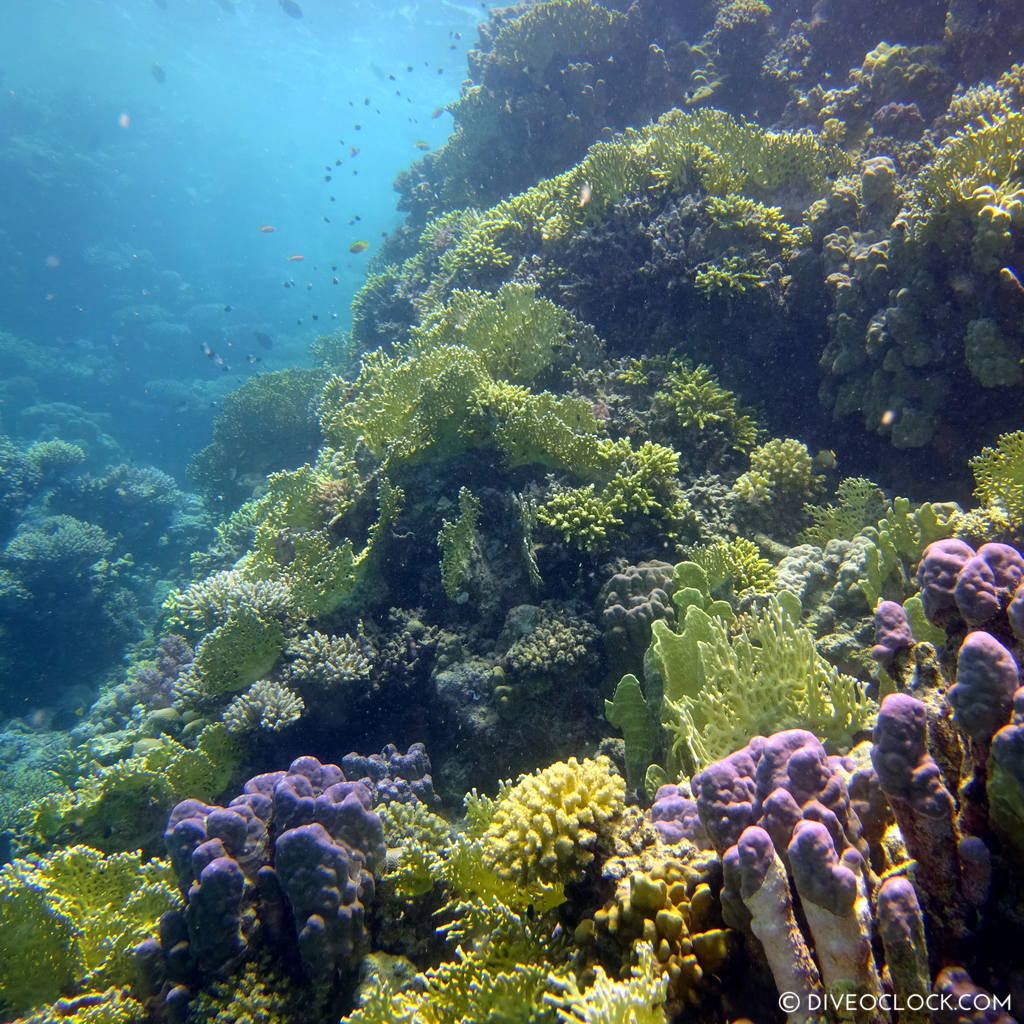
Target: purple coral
(833, 897)
(987, 581)
(295, 853)
(901, 927)
(323, 883)
(937, 577)
(775, 782)
(1015, 612)
(987, 677)
(394, 777)
(727, 794)
(892, 634)
(924, 810)
(675, 816)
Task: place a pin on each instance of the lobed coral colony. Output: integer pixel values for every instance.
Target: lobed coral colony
(677, 721)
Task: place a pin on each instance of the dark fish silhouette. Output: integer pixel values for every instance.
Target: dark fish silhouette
(263, 339)
(291, 8)
(158, 73)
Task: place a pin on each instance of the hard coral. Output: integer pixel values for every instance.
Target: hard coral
(548, 825)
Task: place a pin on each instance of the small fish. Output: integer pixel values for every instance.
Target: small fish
(421, 144)
(263, 339)
(291, 8)
(252, 360)
(825, 460)
(353, 151)
(438, 112)
(158, 73)
(226, 5)
(296, 259)
(360, 246)
(213, 356)
(162, 4)
(227, 309)
(267, 228)
(586, 193)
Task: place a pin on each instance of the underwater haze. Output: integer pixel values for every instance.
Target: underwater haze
(146, 146)
(512, 515)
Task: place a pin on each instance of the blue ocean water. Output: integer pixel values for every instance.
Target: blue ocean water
(147, 144)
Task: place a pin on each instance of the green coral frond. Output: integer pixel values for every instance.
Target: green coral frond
(999, 475)
(859, 503)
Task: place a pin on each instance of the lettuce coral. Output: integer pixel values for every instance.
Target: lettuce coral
(999, 476)
(72, 919)
(762, 676)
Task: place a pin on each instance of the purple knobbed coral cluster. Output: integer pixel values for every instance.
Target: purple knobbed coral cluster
(799, 832)
(393, 777)
(675, 817)
(975, 586)
(287, 865)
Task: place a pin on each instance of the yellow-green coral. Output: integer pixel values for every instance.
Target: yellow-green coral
(754, 680)
(547, 826)
(781, 471)
(555, 27)
(733, 566)
(72, 919)
(999, 475)
(639, 999)
(236, 654)
(859, 503)
(458, 542)
(514, 331)
(706, 149)
(120, 806)
(696, 401)
(640, 482)
(983, 156)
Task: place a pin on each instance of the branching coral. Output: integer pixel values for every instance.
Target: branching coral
(781, 472)
(265, 705)
(328, 660)
(999, 476)
(546, 827)
(698, 403)
(119, 807)
(859, 503)
(638, 999)
(733, 566)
